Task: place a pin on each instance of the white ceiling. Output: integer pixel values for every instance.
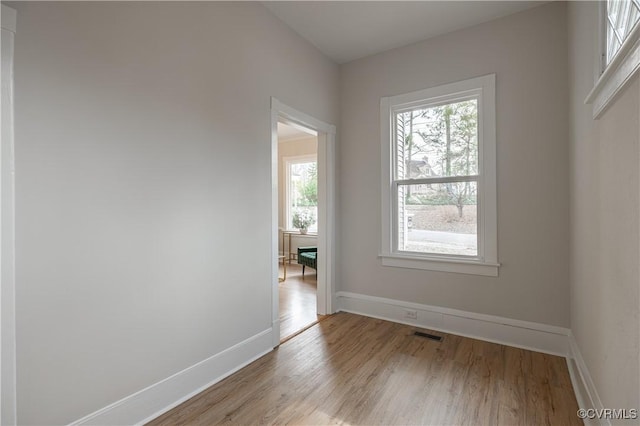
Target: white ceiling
(288, 132)
(348, 30)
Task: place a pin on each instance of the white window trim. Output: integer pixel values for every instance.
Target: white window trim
(620, 71)
(487, 261)
(287, 162)
(8, 408)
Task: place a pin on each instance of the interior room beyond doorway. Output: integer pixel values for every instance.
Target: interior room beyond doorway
(297, 227)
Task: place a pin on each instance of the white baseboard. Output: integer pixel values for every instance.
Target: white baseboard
(582, 382)
(160, 397)
(511, 332)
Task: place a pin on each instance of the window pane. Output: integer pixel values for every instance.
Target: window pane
(612, 44)
(438, 218)
(303, 193)
(622, 16)
(437, 141)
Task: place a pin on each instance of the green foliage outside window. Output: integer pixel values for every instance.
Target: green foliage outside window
(307, 188)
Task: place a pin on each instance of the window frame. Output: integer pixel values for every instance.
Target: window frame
(287, 162)
(486, 262)
(612, 77)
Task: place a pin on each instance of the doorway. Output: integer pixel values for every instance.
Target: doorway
(302, 156)
(297, 227)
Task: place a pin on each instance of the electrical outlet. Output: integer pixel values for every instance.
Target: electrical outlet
(409, 314)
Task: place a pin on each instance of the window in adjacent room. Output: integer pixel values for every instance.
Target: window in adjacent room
(302, 190)
(439, 191)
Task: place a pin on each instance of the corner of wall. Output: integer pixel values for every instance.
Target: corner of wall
(583, 386)
(153, 401)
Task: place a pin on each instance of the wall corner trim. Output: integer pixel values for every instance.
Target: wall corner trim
(9, 18)
(506, 331)
(151, 402)
(583, 386)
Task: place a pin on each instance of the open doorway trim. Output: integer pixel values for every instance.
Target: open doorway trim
(326, 208)
(8, 407)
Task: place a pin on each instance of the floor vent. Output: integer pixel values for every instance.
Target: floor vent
(428, 336)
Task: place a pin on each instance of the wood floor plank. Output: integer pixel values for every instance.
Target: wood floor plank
(350, 369)
(298, 301)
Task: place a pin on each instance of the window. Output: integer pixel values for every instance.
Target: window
(620, 43)
(302, 190)
(621, 16)
(439, 186)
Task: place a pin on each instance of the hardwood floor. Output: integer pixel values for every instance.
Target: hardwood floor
(297, 300)
(350, 369)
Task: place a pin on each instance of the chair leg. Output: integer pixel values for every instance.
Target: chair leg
(303, 271)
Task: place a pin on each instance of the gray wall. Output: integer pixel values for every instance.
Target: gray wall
(528, 52)
(137, 124)
(143, 175)
(605, 212)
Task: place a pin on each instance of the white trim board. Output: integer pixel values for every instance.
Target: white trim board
(151, 402)
(520, 334)
(583, 386)
(8, 407)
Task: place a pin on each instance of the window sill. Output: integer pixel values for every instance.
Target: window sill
(618, 73)
(460, 266)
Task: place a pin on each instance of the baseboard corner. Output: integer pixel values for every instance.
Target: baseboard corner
(153, 401)
(583, 386)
